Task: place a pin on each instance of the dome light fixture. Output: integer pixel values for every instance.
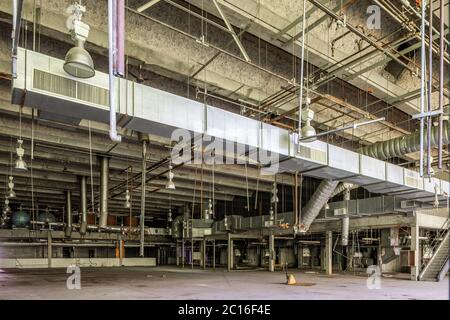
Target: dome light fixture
(20, 163)
(78, 62)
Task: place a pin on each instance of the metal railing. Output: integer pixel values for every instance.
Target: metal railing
(435, 243)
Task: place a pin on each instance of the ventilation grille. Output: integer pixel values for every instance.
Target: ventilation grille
(313, 154)
(70, 88)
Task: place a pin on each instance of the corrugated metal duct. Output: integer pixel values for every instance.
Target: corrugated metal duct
(402, 145)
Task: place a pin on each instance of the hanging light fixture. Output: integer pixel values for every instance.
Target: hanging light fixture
(6, 208)
(210, 211)
(127, 199)
(169, 184)
(20, 163)
(11, 193)
(308, 130)
(274, 193)
(169, 216)
(78, 62)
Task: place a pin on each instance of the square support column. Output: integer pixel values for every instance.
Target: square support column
(329, 253)
(230, 253)
(415, 251)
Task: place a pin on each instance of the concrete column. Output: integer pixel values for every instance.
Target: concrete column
(204, 254)
(83, 204)
(49, 248)
(214, 255)
(415, 250)
(143, 183)
(329, 253)
(182, 253)
(230, 253)
(300, 257)
(68, 230)
(104, 180)
(177, 254)
(271, 253)
(121, 248)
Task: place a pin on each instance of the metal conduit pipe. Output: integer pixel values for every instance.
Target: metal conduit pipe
(104, 179)
(316, 203)
(68, 231)
(83, 205)
(345, 222)
(403, 145)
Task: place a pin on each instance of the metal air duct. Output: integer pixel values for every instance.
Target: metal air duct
(104, 179)
(402, 145)
(316, 203)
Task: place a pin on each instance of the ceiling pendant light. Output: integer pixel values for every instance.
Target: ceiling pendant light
(78, 62)
(169, 216)
(11, 193)
(169, 184)
(308, 130)
(20, 163)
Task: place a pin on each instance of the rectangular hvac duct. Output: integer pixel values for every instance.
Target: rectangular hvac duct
(395, 177)
(370, 171)
(342, 164)
(305, 156)
(42, 83)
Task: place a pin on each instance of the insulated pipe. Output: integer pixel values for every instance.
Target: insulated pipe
(112, 50)
(104, 179)
(83, 205)
(400, 146)
(17, 16)
(68, 231)
(316, 203)
(430, 88)
(343, 187)
(422, 89)
(441, 84)
(120, 38)
(302, 61)
(345, 222)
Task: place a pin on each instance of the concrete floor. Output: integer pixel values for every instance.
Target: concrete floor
(175, 283)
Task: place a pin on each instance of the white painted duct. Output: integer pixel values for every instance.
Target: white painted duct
(316, 203)
(403, 145)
